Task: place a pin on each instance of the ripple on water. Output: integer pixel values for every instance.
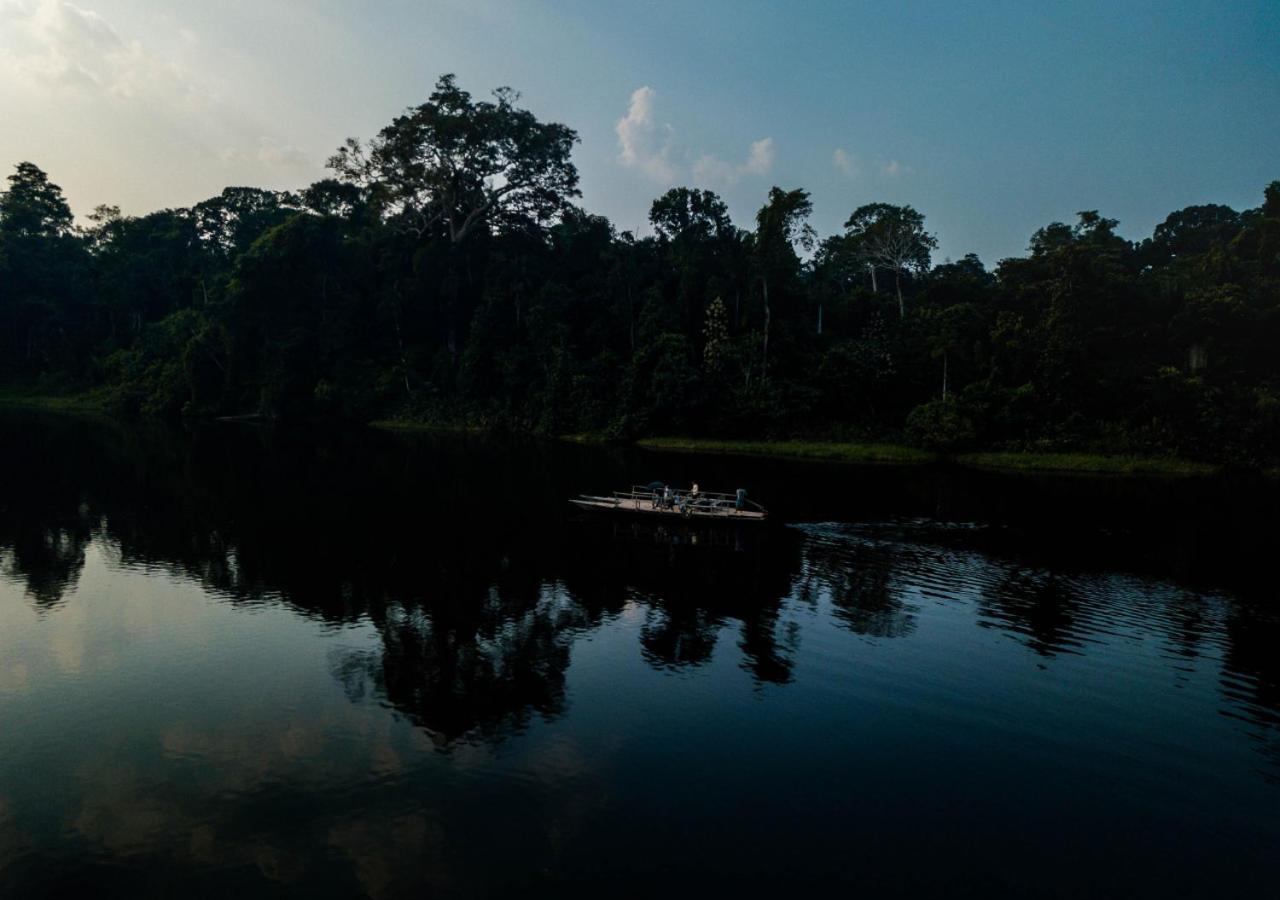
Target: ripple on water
(905, 578)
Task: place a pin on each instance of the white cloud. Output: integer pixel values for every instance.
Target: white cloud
(710, 169)
(641, 143)
(844, 161)
(146, 106)
(760, 159)
(56, 46)
(850, 165)
(648, 147)
(270, 153)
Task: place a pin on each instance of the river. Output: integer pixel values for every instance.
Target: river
(242, 660)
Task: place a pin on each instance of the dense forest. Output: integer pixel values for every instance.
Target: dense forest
(444, 273)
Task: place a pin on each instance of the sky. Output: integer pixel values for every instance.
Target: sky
(993, 119)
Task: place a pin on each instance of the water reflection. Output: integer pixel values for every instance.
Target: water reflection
(694, 582)
(44, 531)
(477, 668)
(449, 583)
(860, 575)
(478, 580)
(1040, 607)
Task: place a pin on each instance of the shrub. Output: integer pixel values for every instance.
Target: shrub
(940, 425)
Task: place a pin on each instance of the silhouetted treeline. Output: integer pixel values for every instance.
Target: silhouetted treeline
(444, 273)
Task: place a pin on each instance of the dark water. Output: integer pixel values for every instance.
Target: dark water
(242, 662)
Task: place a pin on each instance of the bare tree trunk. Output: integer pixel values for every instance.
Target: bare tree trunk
(897, 283)
(451, 314)
(519, 291)
(764, 355)
(819, 319)
(404, 359)
(944, 375)
(874, 287)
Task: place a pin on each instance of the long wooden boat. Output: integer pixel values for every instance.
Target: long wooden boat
(662, 503)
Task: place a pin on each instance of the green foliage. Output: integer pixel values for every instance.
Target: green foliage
(690, 215)
(940, 425)
(455, 163)
(884, 236)
(163, 373)
(33, 207)
(827, 451)
(444, 276)
(715, 337)
(1089, 463)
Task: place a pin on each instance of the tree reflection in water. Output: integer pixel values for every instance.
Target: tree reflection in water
(471, 669)
(695, 580)
(48, 561)
(479, 579)
(44, 525)
(860, 575)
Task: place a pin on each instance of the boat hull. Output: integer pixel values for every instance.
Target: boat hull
(645, 508)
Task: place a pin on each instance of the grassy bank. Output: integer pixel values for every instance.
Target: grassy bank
(408, 425)
(827, 451)
(90, 402)
(853, 452)
(1088, 463)
(586, 437)
(820, 451)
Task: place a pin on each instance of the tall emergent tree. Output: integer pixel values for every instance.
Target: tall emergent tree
(781, 225)
(459, 163)
(690, 214)
(33, 206)
(43, 284)
(893, 238)
(454, 164)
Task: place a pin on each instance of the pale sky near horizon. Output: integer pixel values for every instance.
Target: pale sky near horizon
(993, 119)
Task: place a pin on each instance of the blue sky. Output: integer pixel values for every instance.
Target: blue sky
(993, 119)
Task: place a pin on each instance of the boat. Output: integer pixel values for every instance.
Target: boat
(658, 501)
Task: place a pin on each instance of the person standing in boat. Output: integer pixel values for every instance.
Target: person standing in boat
(655, 493)
(666, 496)
(693, 495)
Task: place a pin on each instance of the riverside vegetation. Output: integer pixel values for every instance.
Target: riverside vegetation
(444, 275)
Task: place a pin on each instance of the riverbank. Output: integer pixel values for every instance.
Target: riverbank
(1089, 464)
(412, 427)
(896, 454)
(854, 452)
(81, 403)
(823, 451)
